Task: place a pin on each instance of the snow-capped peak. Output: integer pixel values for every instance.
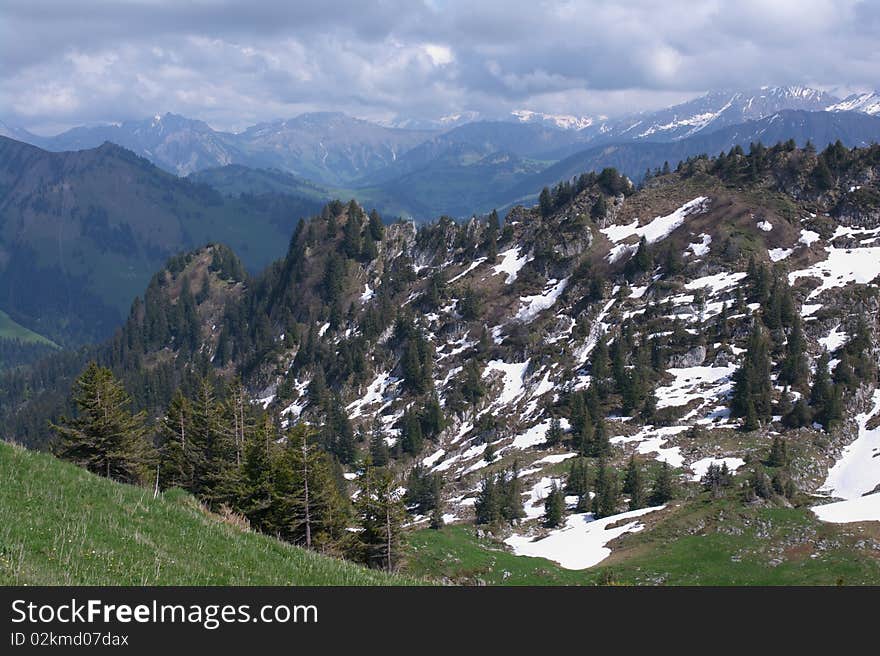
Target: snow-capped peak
(562, 121)
(867, 103)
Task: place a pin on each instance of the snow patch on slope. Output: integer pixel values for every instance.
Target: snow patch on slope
(581, 542)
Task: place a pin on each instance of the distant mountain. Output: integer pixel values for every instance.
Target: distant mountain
(561, 121)
(330, 148)
(867, 103)
(327, 147)
(473, 141)
(18, 134)
(717, 110)
(632, 159)
(82, 232)
(175, 143)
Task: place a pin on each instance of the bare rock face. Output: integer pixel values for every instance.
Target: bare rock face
(693, 358)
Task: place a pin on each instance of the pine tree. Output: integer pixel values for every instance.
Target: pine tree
(175, 467)
(600, 445)
(716, 479)
(489, 454)
(411, 439)
(778, 453)
(599, 209)
(380, 517)
(105, 437)
(634, 485)
(379, 448)
(605, 491)
(752, 392)
(511, 494)
(351, 241)
(554, 433)
(376, 227)
(436, 518)
(577, 483)
(825, 397)
(257, 499)
(663, 489)
(554, 507)
(472, 387)
(545, 202)
(643, 260)
(488, 504)
(492, 238)
(599, 366)
(795, 369)
(213, 453)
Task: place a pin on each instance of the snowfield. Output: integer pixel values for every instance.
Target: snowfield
(693, 383)
(657, 229)
(511, 263)
(652, 440)
(716, 282)
(842, 267)
(861, 509)
(855, 474)
(534, 305)
(537, 435)
(581, 542)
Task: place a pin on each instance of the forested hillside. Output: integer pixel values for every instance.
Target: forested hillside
(612, 371)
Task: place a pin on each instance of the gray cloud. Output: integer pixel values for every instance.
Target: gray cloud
(235, 63)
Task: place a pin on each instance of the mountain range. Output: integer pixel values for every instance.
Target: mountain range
(335, 150)
(85, 227)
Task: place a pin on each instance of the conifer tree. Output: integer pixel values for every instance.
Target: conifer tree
(175, 467)
(436, 522)
(600, 445)
(545, 202)
(492, 238)
(752, 392)
(634, 485)
(511, 494)
(379, 447)
(605, 491)
(554, 432)
(351, 241)
(213, 449)
(577, 483)
(554, 507)
(380, 516)
(105, 437)
(663, 489)
(825, 397)
(488, 504)
(472, 387)
(778, 453)
(376, 227)
(258, 499)
(795, 368)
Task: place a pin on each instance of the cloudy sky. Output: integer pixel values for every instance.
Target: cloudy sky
(234, 63)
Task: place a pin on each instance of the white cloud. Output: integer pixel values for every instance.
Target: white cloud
(233, 62)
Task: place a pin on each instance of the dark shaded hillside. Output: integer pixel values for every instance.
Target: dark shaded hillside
(82, 232)
(235, 179)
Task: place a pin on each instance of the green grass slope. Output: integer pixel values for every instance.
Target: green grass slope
(9, 329)
(60, 525)
(719, 542)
